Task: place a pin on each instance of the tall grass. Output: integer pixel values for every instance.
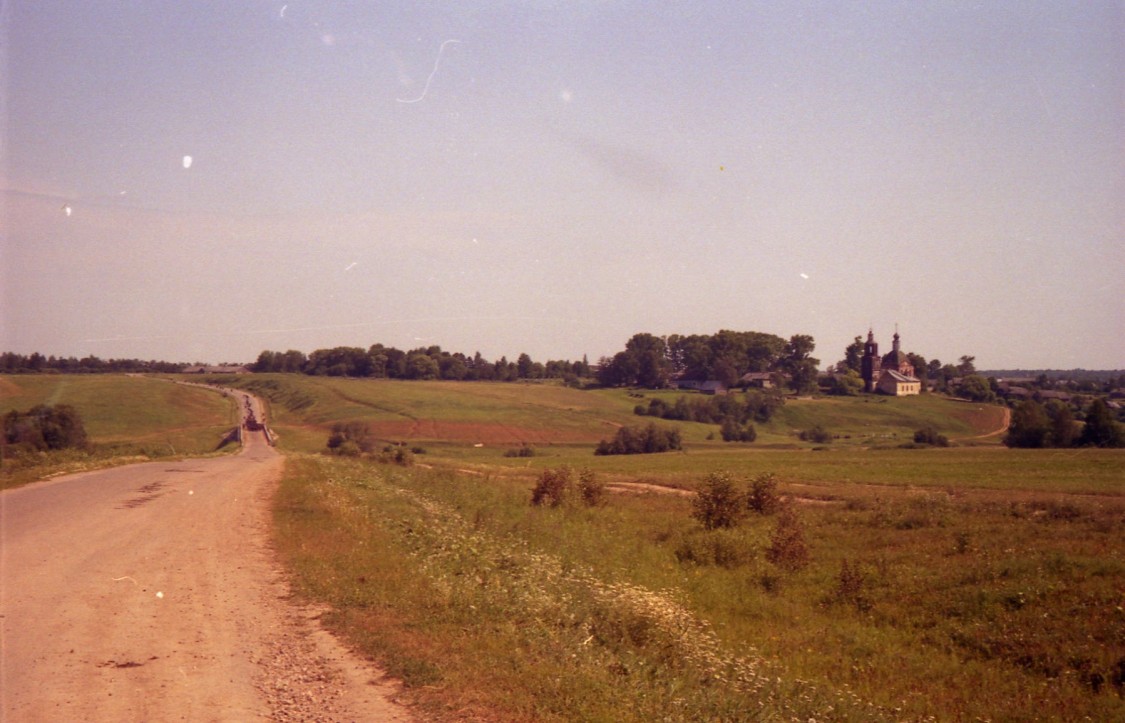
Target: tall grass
(955, 606)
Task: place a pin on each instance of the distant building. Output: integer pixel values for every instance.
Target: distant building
(898, 385)
(226, 369)
(891, 374)
(761, 380)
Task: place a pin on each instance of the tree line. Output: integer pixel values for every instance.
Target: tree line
(36, 363)
(654, 361)
(431, 362)
(1053, 424)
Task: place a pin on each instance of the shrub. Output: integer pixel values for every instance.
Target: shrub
(732, 431)
(718, 503)
(719, 548)
(358, 433)
(44, 428)
(929, 435)
(521, 451)
(787, 547)
(590, 488)
(552, 487)
(763, 497)
(817, 434)
(641, 440)
(849, 587)
(397, 454)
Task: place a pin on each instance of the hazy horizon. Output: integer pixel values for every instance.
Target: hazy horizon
(201, 182)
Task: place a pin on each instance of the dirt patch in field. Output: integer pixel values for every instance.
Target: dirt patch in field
(9, 389)
(476, 433)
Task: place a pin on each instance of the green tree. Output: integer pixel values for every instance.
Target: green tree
(847, 384)
(524, 366)
(649, 356)
(1064, 429)
(965, 365)
(853, 356)
(797, 362)
(1101, 429)
(420, 365)
(976, 388)
(1029, 426)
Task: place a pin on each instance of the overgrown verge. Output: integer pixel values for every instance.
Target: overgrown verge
(482, 623)
(923, 603)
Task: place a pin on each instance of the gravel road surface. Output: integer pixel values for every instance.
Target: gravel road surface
(150, 592)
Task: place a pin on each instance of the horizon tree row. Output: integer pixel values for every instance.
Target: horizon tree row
(654, 361)
(36, 363)
(432, 362)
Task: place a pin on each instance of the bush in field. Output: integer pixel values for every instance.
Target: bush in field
(397, 454)
(732, 431)
(43, 428)
(756, 406)
(641, 440)
(763, 497)
(521, 451)
(929, 435)
(556, 487)
(718, 548)
(849, 587)
(817, 434)
(590, 488)
(718, 503)
(551, 489)
(787, 547)
(351, 439)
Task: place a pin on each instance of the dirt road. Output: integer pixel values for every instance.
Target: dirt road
(150, 593)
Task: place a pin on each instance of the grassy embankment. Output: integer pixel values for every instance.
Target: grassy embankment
(127, 418)
(989, 584)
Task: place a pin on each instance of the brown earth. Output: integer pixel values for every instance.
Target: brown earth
(151, 592)
(478, 433)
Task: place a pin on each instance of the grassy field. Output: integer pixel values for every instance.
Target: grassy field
(983, 583)
(126, 417)
(459, 415)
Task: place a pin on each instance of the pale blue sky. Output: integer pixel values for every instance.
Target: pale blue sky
(551, 178)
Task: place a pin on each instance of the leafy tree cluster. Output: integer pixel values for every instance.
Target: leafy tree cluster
(432, 362)
(649, 439)
(36, 363)
(1036, 425)
(929, 435)
(350, 439)
(752, 407)
(652, 362)
(976, 388)
(44, 428)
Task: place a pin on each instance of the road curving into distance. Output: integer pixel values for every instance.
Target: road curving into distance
(150, 592)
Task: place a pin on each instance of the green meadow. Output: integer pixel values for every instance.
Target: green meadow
(126, 418)
(968, 582)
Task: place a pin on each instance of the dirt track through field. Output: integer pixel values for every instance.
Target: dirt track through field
(150, 592)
